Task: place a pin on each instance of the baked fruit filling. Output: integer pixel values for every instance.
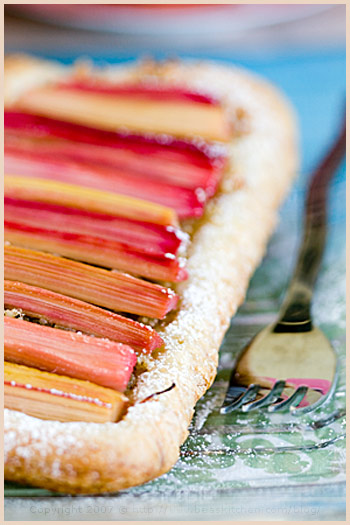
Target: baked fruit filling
(178, 173)
(99, 179)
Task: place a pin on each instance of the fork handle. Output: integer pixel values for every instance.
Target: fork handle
(295, 311)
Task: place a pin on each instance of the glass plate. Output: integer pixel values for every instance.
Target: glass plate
(254, 466)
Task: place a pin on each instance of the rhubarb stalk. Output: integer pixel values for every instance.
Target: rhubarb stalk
(151, 239)
(71, 195)
(94, 359)
(66, 312)
(56, 165)
(51, 396)
(109, 289)
(113, 111)
(184, 162)
(94, 250)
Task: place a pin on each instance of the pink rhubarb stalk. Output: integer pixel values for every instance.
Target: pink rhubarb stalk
(151, 239)
(185, 202)
(188, 164)
(109, 289)
(151, 90)
(66, 312)
(96, 250)
(74, 196)
(94, 359)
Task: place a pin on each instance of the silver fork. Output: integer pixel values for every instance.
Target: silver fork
(290, 365)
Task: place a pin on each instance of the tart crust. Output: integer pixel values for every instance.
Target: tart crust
(226, 248)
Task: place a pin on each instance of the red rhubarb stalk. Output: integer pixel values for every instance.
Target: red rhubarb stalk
(72, 195)
(185, 202)
(98, 360)
(162, 147)
(94, 250)
(154, 91)
(109, 289)
(191, 165)
(66, 312)
(144, 237)
(30, 156)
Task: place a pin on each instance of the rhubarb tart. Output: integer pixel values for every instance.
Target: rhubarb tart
(139, 199)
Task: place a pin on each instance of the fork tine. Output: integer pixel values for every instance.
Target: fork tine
(291, 402)
(270, 398)
(233, 393)
(246, 396)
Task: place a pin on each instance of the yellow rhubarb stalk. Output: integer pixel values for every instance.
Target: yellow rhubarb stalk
(89, 199)
(139, 114)
(51, 396)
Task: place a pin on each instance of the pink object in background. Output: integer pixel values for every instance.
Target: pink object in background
(167, 19)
